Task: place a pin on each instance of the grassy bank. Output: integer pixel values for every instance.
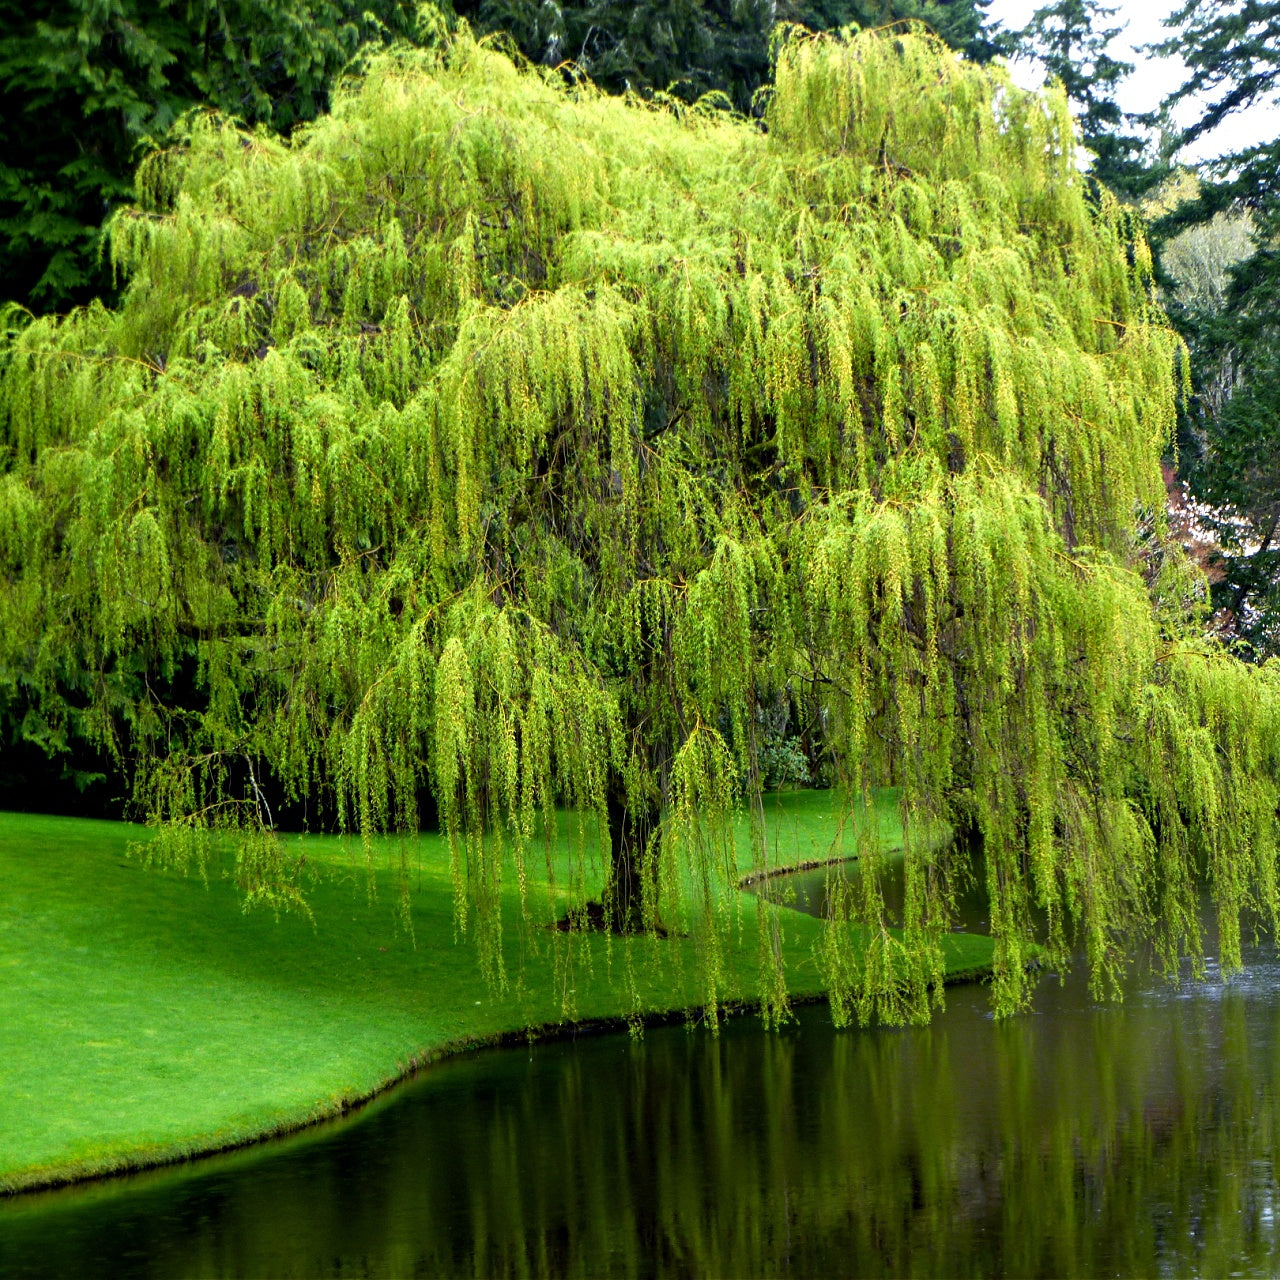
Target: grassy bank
(145, 1017)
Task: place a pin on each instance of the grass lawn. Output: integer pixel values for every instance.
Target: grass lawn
(144, 1016)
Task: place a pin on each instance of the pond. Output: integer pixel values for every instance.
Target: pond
(1138, 1139)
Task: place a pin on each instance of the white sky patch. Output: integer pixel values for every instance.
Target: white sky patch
(1152, 78)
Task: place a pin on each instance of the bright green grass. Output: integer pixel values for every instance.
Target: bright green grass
(144, 1016)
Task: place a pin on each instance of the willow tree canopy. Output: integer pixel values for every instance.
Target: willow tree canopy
(504, 441)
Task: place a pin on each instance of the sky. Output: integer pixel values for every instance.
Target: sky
(1152, 77)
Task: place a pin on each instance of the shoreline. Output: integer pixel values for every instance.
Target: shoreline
(155, 1022)
(753, 878)
(66, 1176)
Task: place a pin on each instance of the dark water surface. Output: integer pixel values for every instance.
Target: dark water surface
(1138, 1140)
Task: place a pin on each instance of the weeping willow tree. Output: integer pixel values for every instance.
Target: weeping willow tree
(504, 443)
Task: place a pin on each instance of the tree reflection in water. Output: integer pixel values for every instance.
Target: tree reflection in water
(1132, 1140)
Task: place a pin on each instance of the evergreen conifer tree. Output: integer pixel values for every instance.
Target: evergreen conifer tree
(1070, 38)
(1233, 55)
(85, 85)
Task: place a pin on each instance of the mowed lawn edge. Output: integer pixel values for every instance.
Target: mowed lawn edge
(145, 1018)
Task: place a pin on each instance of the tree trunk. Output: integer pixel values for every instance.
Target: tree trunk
(629, 834)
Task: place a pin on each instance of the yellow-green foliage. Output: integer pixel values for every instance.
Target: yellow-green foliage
(517, 443)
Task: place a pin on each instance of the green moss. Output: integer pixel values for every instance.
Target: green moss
(146, 1016)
